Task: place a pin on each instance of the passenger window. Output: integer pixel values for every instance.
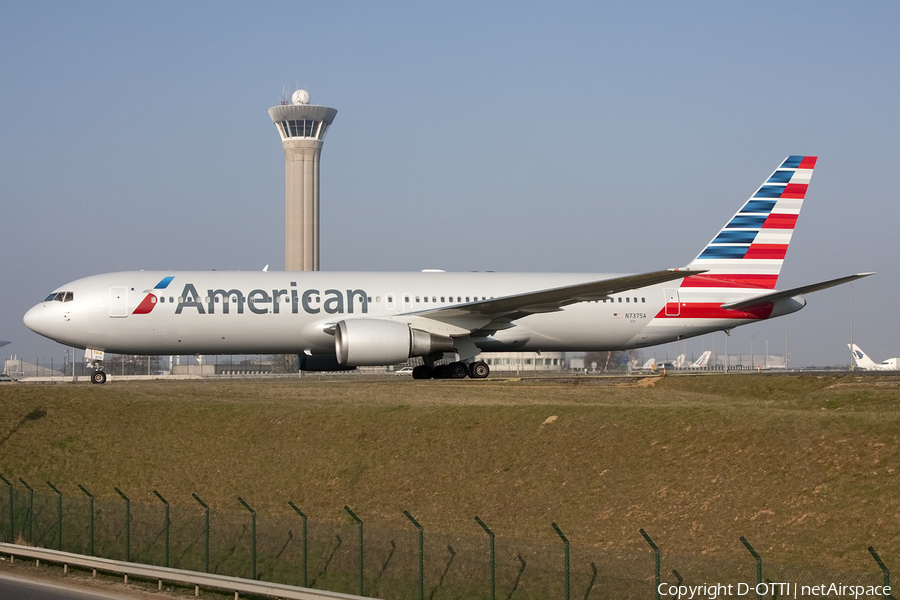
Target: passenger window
(627, 299)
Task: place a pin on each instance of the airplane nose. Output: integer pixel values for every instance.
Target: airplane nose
(34, 318)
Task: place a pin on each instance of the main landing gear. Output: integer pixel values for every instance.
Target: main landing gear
(455, 370)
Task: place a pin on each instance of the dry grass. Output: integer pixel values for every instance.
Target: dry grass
(799, 465)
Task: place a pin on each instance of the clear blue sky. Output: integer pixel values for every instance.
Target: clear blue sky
(588, 137)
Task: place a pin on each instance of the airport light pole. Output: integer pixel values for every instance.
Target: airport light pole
(752, 359)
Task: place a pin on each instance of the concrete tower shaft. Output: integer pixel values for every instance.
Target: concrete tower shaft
(302, 129)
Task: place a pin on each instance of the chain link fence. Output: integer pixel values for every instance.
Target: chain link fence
(401, 562)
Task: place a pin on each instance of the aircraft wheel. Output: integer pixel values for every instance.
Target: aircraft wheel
(479, 370)
(98, 377)
(457, 370)
(440, 372)
(421, 372)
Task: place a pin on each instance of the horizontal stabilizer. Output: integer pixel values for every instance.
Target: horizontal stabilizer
(806, 289)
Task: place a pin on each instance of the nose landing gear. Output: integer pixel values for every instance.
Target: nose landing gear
(98, 375)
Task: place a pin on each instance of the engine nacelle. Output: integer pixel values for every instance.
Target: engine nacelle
(373, 342)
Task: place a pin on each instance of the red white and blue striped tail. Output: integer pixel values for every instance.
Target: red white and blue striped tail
(749, 251)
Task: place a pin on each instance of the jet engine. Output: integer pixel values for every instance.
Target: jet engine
(372, 342)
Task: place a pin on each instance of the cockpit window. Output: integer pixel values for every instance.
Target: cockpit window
(60, 297)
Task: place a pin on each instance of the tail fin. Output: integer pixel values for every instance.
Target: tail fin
(749, 251)
(862, 361)
(702, 361)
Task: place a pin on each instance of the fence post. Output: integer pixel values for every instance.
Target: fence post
(493, 557)
(205, 530)
(758, 565)
(302, 538)
(58, 516)
(884, 569)
(166, 504)
(656, 553)
(12, 511)
(566, 546)
(252, 537)
(91, 517)
(29, 515)
(421, 554)
(127, 524)
(359, 527)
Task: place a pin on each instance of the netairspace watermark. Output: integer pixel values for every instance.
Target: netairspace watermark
(721, 591)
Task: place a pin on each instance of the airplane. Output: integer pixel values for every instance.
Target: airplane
(865, 363)
(648, 367)
(702, 362)
(343, 320)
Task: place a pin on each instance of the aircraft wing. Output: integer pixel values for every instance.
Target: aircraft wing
(806, 289)
(477, 315)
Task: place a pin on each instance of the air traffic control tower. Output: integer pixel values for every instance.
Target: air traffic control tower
(302, 127)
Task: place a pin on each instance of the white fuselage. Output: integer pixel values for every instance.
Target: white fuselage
(220, 312)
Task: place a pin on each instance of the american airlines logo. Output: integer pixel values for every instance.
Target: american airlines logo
(259, 301)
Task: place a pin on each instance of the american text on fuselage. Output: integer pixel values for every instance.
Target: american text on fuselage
(261, 302)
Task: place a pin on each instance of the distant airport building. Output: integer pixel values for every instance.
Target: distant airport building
(302, 127)
(18, 368)
(525, 362)
(746, 362)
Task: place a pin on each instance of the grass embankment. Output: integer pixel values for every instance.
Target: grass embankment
(803, 465)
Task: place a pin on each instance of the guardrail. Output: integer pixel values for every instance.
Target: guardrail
(198, 580)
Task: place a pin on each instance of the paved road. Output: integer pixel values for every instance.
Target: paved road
(18, 588)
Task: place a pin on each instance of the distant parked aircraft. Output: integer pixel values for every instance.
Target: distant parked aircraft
(702, 362)
(867, 364)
